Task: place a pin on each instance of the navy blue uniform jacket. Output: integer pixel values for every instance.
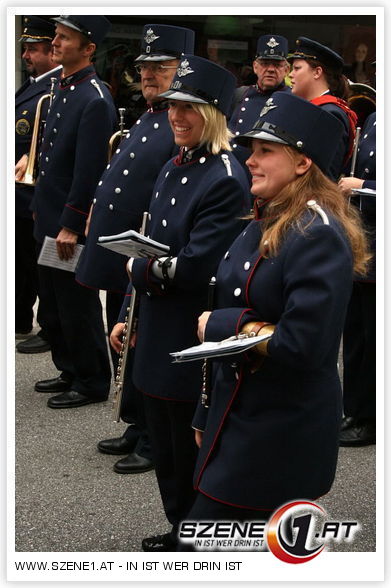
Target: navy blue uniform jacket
(272, 436)
(123, 194)
(341, 153)
(195, 209)
(26, 100)
(74, 152)
(366, 170)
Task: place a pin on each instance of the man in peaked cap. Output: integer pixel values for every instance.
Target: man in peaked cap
(271, 67)
(123, 194)
(74, 152)
(36, 41)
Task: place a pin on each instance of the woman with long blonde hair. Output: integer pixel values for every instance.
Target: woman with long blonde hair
(270, 434)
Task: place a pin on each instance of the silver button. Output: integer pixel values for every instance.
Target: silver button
(237, 133)
(100, 182)
(164, 222)
(64, 100)
(243, 108)
(226, 256)
(46, 159)
(157, 194)
(203, 159)
(51, 144)
(234, 146)
(128, 135)
(149, 216)
(132, 155)
(366, 170)
(173, 201)
(156, 126)
(94, 201)
(366, 135)
(166, 174)
(184, 180)
(108, 166)
(117, 190)
(246, 99)
(237, 292)
(42, 173)
(138, 122)
(125, 172)
(144, 140)
(247, 265)
(54, 130)
(58, 115)
(117, 150)
(240, 121)
(371, 153)
(374, 124)
(111, 206)
(72, 88)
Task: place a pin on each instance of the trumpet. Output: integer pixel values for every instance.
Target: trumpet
(117, 137)
(30, 175)
(129, 329)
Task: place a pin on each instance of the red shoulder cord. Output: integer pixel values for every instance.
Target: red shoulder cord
(352, 117)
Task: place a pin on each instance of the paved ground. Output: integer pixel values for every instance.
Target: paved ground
(69, 499)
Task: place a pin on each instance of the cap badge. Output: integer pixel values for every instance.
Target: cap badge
(150, 37)
(268, 106)
(272, 43)
(184, 69)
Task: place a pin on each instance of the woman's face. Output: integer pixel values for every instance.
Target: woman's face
(186, 123)
(302, 77)
(271, 167)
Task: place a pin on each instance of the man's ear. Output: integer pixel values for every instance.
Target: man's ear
(90, 49)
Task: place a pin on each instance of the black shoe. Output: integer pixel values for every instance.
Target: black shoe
(133, 464)
(347, 422)
(71, 399)
(117, 446)
(53, 385)
(34, 344)
(358, 435)
(158, 543)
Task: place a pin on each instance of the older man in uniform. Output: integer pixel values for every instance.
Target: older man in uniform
(123, 194)
(74, 153)
(271, 67)
(36, 42)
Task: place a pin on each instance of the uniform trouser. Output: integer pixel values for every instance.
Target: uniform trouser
(132, 407)
(206, 509)
(359, 353)
(74, 326)
(174, 451)
(26, 275)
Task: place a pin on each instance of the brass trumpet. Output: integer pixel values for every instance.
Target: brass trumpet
(30, 175)
(362, 99)
(117, 137)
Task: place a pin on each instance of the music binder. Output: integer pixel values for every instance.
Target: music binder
(133, 244)
(212, 349)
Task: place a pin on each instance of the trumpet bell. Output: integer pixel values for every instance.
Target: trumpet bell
(362, 100)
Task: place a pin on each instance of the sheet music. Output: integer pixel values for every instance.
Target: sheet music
(363, 192)
(49, 256)
(211, 349)
(133, 244)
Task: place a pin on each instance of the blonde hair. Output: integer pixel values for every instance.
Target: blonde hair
(215, 135)
(285, 211)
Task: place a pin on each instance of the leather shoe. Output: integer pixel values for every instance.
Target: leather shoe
(347, 422)
(133, 464)
(71, 399)
(34, 344)
(53, 385)
(117, 446)
(358, 435)
(158, 543)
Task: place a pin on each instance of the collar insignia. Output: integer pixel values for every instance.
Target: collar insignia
(272, 42)
(268, 106)
(184, 69)
(150, 37)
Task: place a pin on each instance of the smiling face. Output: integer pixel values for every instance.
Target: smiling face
(272, 167)
(186, 123)
(154, 80)
(270, 72)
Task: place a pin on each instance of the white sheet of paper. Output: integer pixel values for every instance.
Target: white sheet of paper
(49, 256)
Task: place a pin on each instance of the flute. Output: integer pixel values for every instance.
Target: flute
(206, 367)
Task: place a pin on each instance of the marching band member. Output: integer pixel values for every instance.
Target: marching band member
(317, 76)
(197, 204)
(123, 194)
(359, 336)
(74, 152)
(271, 432)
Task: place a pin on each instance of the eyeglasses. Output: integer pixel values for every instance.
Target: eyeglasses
(156, 68)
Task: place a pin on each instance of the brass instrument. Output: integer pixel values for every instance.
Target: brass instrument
(355, 150)
(30, 175)
(362, 100)
(117, 137)
(128, 331)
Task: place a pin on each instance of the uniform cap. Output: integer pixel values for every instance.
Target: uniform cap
(309, 49)
(164, 42)
(95, 27)
(36, 30)
(202, 81)
(272, 47)
(293, 121)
